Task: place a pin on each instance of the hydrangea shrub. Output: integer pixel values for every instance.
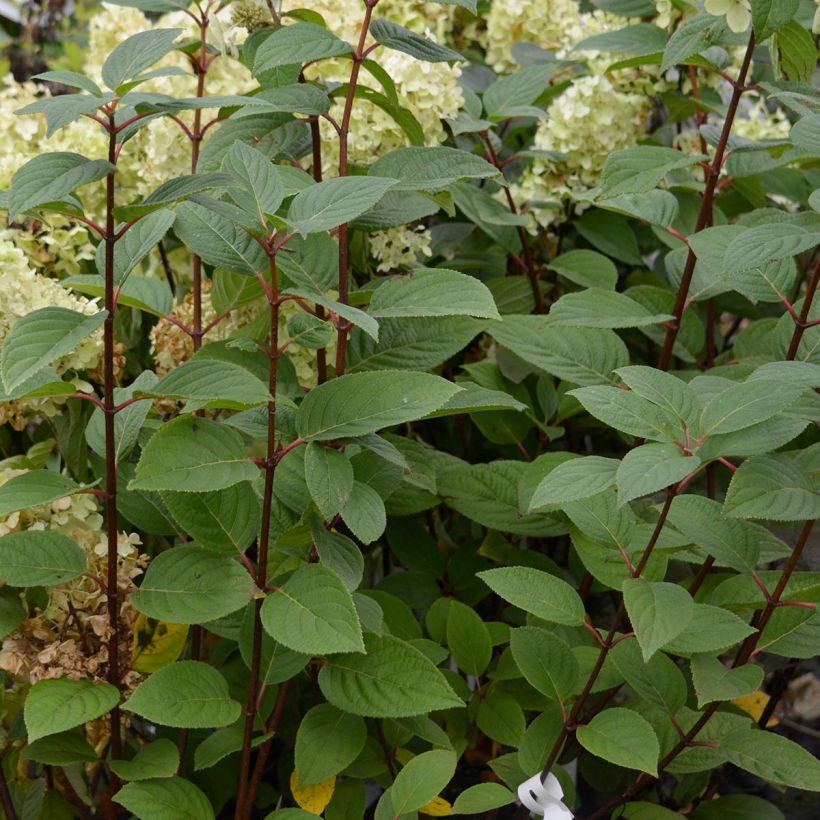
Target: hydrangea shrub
(409, 409)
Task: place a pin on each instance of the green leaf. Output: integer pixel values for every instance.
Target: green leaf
(774, 758)
(159, 758)
(297, 44)
(805, 134)
(659, 612)
(50, 178)
(710, 629)
(364, 513)
(487, 493)
(262, 191)
(538, 740)
(732, 543)
(513, 96)
(595, 307)
(737, 807)
(12, 613)
(501, 718)
(574, 480)
(468, 639)
(227, 520)
(218, 241)
(658, 680)
(412, 344)
(398, 38)
(185, 695)
(140, 51)
(309, 331)
(713, 680)
(179, 189)
(39, 338)
(39, 558)
(769, 243)
(71, 79)
(195, 453)
(362, 403)
(431, 169)
(191, 585)
(743, 405)
(353, 315)
(140, 292)
(136, 243)
(54, 706)
(481, 798)
(691, 37)
(340, 554)
(301, 98)
(628, 412)
(772, 487)
(770, 15)
(640, 38)
(640, 169)
(433, 292)
(582, 356)
(221, 743)
(798, 52)
(766, 281)
(663, 389)
(586, 268)
(657, 207)
(537, 592)
(394, 679)
(169, 798)
(34, 488)
(329, 477)
(65, 109)
(475, 399)
(127, 423)
(652, 467)
(211, 383)
(328, 741)
(331, 203)
(61, 749)
(421, 779)
(622, 737)
(545, 661)
(313, 613)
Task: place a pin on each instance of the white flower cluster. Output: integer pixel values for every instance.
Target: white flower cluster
(430, 91)
(23, 291)
(555, 26)
(400, 247)
(589, 121)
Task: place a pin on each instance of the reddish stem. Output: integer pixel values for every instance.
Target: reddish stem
(802, 322)
(705, 215)
(112, 560)
(244, 800)
(529, 265)
(344, 131)
(607, 643)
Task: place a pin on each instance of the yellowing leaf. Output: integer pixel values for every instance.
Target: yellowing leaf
(437, 807)
(312, 798)
(754, 705)
(156, 643)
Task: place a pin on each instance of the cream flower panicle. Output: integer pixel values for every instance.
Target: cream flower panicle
(396, 248)
(738, 13)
